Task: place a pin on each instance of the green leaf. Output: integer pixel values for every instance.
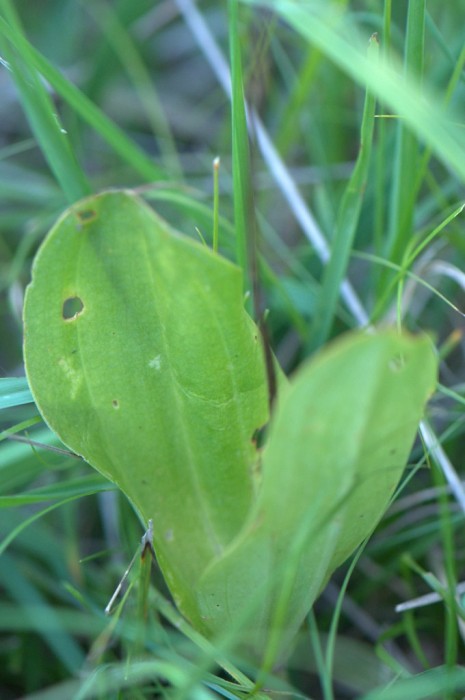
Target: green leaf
(337, 445)
(142, 359)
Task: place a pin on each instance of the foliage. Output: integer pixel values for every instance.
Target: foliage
(113, 288)
(130, 95)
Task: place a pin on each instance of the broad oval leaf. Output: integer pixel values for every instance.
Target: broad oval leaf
(140, 356)
(337, 444)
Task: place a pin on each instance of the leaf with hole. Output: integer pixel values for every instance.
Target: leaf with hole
(142, 359)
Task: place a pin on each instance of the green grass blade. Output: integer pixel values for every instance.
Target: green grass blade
(95, 117)
(72, 488)
(14, 391)
(41, 114)
(318, 24)
(404, 268)
(13, 534)
(381, 155)
(434, 683)
(451, 636)
(60, 642)
(216, 204)
(244, 215)
(24, 425)
(407, 148)
(210, 652)
(323, 676)
(304, 80)
(126, 50)
(346, 225)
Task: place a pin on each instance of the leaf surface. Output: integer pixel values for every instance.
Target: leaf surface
(142, 359)
(338, 442)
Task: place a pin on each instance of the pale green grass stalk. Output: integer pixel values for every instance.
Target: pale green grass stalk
(451, 636)
(407, 153)
(410, 257)
(346, 224)
(244, 216)
(300, 92)
(216, 204)
(323, 677)
(381, 155)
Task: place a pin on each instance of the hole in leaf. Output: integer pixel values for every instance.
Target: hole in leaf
(86, 216)
(115, 403)
(72, 307)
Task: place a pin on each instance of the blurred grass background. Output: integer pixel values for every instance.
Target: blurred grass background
(132, 94)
